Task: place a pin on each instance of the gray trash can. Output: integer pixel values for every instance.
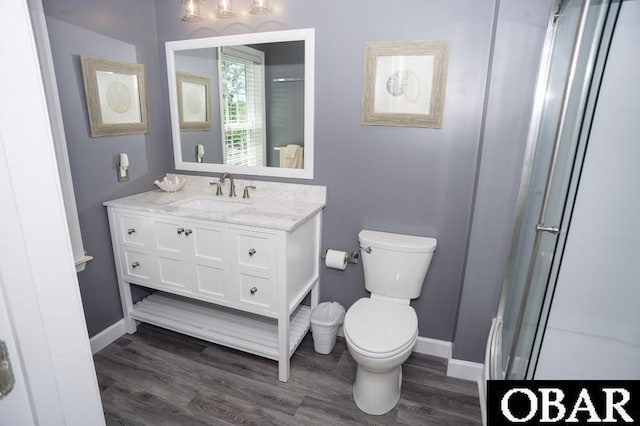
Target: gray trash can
(326, 318)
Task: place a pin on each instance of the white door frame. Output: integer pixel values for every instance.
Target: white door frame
(38, 280)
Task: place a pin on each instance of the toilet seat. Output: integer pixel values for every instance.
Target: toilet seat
(380, 329)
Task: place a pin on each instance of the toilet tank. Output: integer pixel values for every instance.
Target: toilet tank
(396, 264)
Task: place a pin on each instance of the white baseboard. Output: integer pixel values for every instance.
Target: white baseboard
(455, 368)
(434, 347)
(466, 370)
(107, 336)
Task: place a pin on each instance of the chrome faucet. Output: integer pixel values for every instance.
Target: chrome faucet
(232, 190)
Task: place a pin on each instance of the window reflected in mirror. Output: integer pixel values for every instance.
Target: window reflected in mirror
(243, 106)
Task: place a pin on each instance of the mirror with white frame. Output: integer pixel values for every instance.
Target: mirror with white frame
(243, 103)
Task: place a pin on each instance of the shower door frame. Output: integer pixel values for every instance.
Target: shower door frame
(588, 98)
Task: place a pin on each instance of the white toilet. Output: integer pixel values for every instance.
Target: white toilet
(382, 330)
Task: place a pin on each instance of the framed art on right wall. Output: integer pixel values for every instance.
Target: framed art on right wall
(404, 83)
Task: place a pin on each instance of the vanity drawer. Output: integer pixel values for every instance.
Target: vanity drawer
(132, 229)
(256, 291)
(255, 250)
(137, 265)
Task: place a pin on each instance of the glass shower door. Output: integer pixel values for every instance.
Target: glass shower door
(565, 96)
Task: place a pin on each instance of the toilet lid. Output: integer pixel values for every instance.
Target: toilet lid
(379, 327)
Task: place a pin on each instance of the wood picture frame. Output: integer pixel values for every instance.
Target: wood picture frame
(116, 97)
(404, 83)
(194, 101)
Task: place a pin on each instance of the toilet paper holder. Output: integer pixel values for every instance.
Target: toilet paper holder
(352, 258)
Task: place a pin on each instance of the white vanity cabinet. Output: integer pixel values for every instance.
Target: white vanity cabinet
(225, 282)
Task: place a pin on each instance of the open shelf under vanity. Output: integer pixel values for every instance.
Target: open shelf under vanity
(229, 327)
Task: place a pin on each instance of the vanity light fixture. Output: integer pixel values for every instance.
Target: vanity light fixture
(224, 9)
(191, 10)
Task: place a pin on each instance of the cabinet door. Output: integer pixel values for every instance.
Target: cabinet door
(169, 236)
(210, 274)
(169, 242)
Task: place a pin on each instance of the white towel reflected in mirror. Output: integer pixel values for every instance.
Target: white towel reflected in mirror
(292, 156)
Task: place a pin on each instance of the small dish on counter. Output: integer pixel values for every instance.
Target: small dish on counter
(171, 184)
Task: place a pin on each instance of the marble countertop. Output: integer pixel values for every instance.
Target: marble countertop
(272, 205)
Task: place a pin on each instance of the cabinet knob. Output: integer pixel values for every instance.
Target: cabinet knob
(131, 231)
(187, 232)
(252, 252)
(135, 264)
(180, 231)
(253, 290)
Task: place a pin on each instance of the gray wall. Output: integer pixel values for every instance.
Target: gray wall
(520, 31)
(406, 180)
(119, 30)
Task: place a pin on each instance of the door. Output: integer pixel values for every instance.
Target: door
(575, 50)
(41, 318)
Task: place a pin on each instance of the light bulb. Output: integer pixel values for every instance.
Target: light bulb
(260, 7)
(191, 10)
(224, 9)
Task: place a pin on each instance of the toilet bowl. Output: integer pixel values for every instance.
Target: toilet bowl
(380, 336)
(381, 331)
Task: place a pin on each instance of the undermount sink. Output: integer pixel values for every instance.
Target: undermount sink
(212, 204)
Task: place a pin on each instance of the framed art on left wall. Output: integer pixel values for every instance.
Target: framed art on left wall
(116, 97)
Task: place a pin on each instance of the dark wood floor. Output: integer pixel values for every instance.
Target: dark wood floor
(157, 377)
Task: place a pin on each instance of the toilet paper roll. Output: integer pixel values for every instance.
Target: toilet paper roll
(336, 259)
